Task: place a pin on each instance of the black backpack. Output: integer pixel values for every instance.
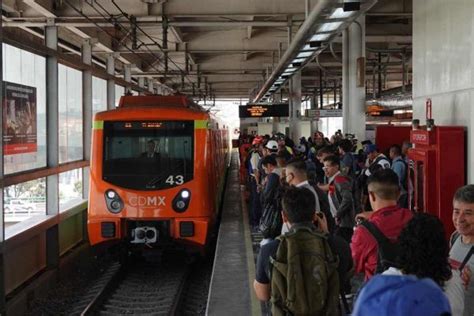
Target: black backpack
(388, 251)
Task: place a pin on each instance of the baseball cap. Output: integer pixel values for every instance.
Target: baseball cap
(405, 295)
(366, 142)
(370, 148)
(272, 145)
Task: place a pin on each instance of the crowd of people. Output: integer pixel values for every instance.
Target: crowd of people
(332, 209)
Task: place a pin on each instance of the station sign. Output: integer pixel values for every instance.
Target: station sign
(420, 137)
(317, 113)
(264, 110)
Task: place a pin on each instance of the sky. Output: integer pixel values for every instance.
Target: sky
(228, 112)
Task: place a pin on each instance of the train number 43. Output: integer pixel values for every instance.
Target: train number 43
(172, 180)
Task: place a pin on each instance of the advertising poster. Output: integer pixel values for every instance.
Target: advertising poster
(19, 119)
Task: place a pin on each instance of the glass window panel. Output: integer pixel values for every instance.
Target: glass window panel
(70, 189)
(119, 91)
(70, 114)
(25, 68)
(23, 201)
(99, 94)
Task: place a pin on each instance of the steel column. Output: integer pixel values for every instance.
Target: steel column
(111, 82)
(52, 145)
(404, 71)
(295, 101)
(379, 81)
(127, 74)
(2, 219)
(141, 84)
(353, 95)
(87, 113)
(321, 89)
(150, 86)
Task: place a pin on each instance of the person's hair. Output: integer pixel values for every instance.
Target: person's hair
(269, 160)
(424, 250)
(384, 183)
(333, 160)
(465, 194)
(325, 150)
(298, 165)
(298, 204)
(346, 145)
(407, 144)
(397, 150)
(151, 141)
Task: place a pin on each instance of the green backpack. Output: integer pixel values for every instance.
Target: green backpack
(304, 275)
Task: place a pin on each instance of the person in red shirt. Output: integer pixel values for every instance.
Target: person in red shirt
(387, 216)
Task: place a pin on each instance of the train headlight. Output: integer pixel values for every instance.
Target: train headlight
(113, 201)
(181, 200)
(185, 194)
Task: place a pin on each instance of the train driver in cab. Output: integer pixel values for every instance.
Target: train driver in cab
(150, 150)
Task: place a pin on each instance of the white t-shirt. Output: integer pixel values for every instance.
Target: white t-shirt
(457, 254)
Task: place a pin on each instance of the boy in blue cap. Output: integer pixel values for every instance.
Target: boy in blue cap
(390, 295)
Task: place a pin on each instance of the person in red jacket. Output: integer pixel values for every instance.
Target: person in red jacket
(387, 217)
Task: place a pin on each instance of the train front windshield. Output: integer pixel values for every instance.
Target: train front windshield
(148, 155)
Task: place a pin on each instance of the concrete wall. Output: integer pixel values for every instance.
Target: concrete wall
(443, 65)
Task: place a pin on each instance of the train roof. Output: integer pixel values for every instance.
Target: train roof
(155, 107)
(158, 100)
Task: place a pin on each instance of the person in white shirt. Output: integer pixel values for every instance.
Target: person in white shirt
(296, 176)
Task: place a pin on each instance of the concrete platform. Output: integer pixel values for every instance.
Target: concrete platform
(231, 289)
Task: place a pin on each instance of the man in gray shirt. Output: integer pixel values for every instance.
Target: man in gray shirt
(462, 240)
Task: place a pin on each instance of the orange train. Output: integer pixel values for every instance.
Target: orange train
(157, 173)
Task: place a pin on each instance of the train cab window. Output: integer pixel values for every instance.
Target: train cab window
(148, 155)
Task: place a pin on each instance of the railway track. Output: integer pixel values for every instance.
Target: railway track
(140, 288)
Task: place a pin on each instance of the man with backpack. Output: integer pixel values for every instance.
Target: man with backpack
(303, 253)
(270, 222)
(400, 167)
(374, 243)
(349, 163)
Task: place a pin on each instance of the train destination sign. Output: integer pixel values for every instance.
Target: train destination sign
(263, 110)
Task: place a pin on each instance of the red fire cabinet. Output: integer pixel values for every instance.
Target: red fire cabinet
(437, 170)
(388, 135)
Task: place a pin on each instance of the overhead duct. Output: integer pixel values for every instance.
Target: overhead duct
(312, 37)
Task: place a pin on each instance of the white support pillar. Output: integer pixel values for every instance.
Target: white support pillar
(141, 84)
(314, 121)
(87, 113)
(295, 106)
(276, 120)
(52, 144)
(151, 87)
(127, 73)
(353, 48)
(111, 82)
